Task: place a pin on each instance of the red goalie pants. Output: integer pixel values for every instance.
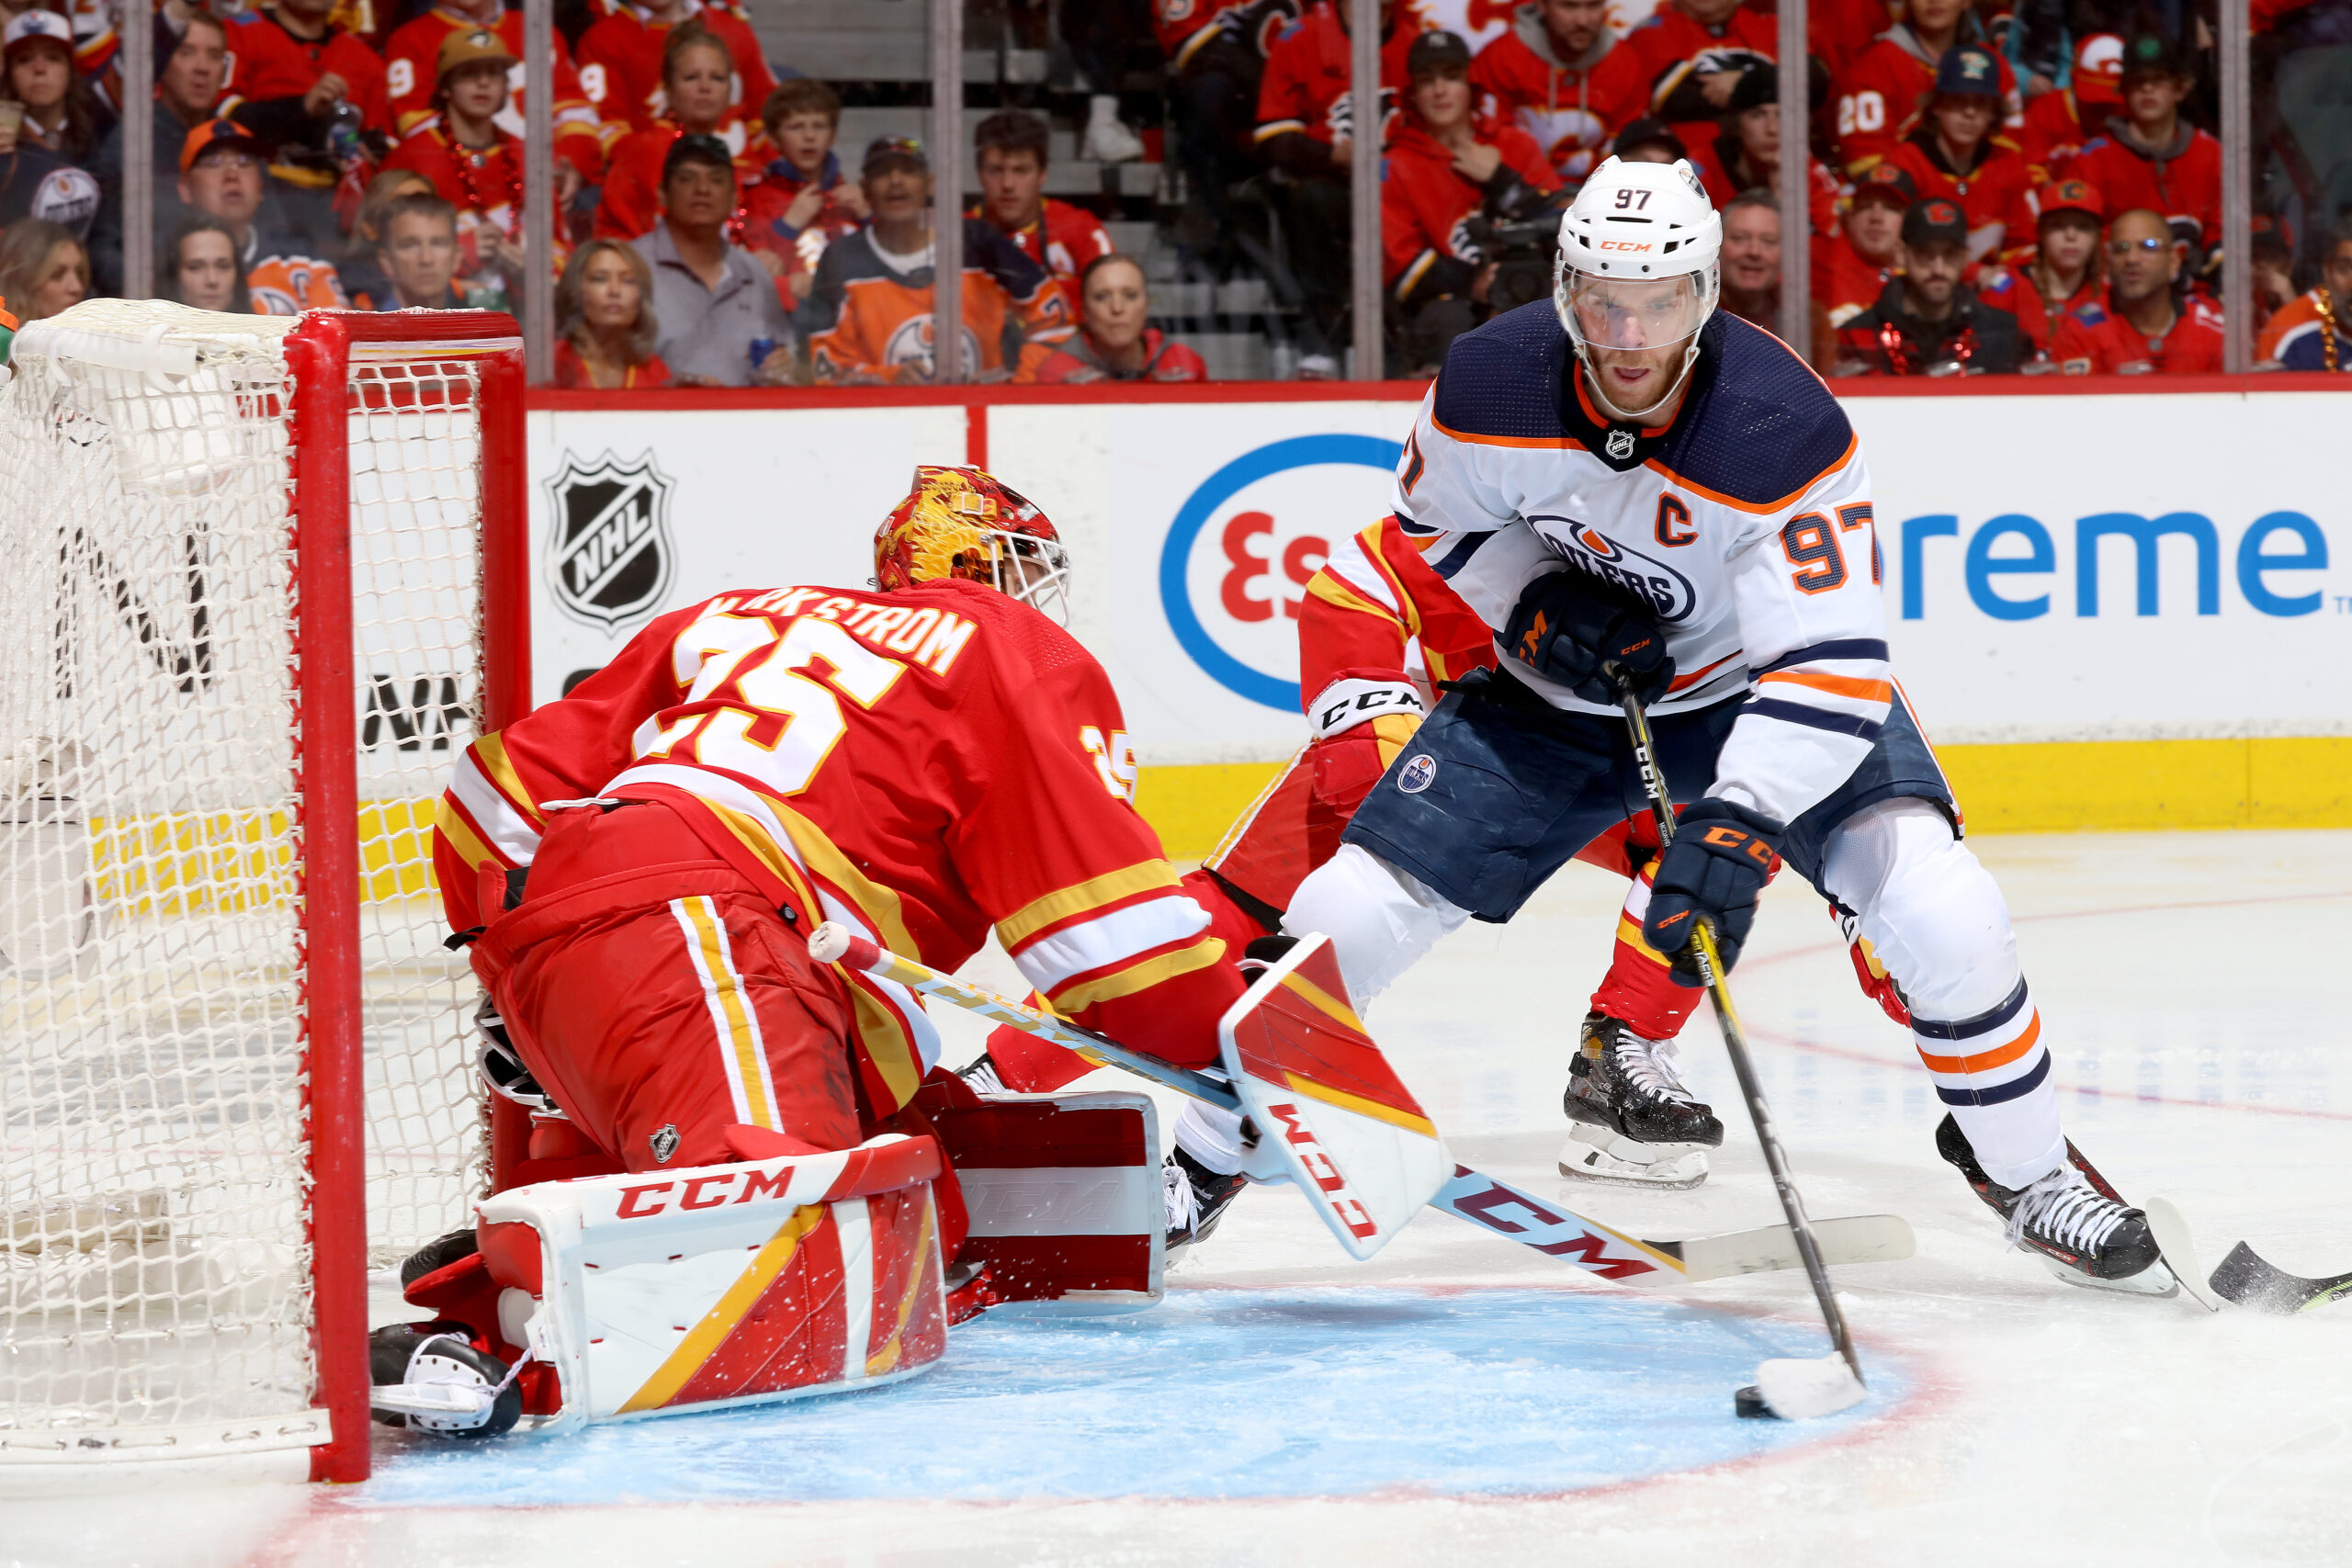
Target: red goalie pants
(660, 999)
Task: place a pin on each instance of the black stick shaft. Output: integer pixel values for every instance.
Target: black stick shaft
(1702, 940)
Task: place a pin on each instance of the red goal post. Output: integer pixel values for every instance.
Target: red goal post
(268, 578)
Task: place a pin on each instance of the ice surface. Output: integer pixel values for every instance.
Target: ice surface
(1806, 1388)
(1460, 1400)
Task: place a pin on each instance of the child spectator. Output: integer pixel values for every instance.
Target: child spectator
(1877, 96)
(475, 165)
(411, 76)
(697, 74)
(418, 252)
(221, 176)
(1113, 341)
(2058, 123)
(1445, 166)
(869, 317)
(363, 278)
(1853, 267)
(59, 115)
(803, 202)
(2305, 334)
(1681, 65)
(1538, 76)
(1746, 153)
(293, 65)
(605, 323)
(43, 269)
(2065, 272)
(1951, 152)
(630, 45)
(2148, 156)
(1927, 321)
(199, 267)
(1010, 150)
(2145, 328)
(194, 64)
(715, 303)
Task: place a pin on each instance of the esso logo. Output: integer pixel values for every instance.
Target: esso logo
(1233, 574)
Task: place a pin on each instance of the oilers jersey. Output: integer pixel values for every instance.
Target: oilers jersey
(1746, 525)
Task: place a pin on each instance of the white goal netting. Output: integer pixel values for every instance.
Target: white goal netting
(154, 1125)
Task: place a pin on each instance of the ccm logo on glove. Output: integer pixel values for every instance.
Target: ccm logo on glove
(1722, 856)
(1572, 628)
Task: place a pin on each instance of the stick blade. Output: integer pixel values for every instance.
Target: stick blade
(1801, 1388)
(2170, 1228)
(1853, 1238)
(2250, 1280)
(1347, 1131)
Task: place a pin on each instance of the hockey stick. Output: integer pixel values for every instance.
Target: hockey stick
(1809, 1400)
(1471, 1195)
(2249, 1280)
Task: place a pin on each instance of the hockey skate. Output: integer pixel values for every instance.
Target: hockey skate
(2077, 1222)
(983, 1078)
(1633, 1123)
(1197, 1198)
(430, 1380)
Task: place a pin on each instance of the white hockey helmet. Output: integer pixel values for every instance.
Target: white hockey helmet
(1638, 224)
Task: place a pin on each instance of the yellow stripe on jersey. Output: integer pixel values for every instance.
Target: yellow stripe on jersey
(1127, 981)
(490, 753)
(451, 824)
(740, 1042)
(1057, 907)
(1369, 542)
(1332, 590)
(1629, 931)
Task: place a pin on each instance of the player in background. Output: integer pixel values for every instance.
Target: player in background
(1538, 76)
(1010, 152)
(1639, 493)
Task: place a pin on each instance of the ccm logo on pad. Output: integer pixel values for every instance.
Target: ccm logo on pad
(702, 1192)
(1324, 1173)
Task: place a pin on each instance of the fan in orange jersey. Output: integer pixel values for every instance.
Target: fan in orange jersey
(629, 45)
(924, 762)
(412, 59)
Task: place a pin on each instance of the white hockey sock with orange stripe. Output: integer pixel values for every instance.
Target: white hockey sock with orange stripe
(1993, 1072)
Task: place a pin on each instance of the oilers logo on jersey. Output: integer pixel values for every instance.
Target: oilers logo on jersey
(1666, 591)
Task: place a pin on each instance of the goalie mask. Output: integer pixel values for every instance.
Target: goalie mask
(963, 522)
(1637, 271)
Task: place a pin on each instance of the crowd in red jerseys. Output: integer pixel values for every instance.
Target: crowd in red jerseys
(1979, 203)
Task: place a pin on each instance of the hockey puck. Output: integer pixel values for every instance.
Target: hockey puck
(1748, 1405)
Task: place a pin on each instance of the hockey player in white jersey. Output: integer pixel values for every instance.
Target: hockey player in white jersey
(1629, 486)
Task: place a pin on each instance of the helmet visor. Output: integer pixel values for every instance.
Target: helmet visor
(1634, 314)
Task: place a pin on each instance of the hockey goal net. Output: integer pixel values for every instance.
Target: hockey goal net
(263, 581)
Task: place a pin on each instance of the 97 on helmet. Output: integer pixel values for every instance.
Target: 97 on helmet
(1636, 279)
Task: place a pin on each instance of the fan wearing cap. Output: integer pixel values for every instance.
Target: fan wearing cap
(221, 176)
(1879, 96)
(2146, 326)
(2147, 155)
(1745, 154)
(1448, 166)
(1681, 64)
(2309, 331)
(1954, 151)
(714, 300)
(291, 64)
(413, 74)
(1648, 142)
(1926, 321)
(2064, 271)
(697, 76)
(869, 316)
(1538, 76)
(60, 114)
(2058, 123)
(1852, 270)
(629, 46)
(476, 164)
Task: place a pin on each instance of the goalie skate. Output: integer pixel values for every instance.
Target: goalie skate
(1631, 1122)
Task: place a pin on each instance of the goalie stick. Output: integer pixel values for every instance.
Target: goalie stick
(1471, 1195)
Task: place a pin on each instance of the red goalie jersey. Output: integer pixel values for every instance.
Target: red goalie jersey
(921, 764)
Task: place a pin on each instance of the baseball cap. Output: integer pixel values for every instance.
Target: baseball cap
(1436, 52)
(1968, 72)
(2071, 195)
(1935, 221)
(1758, 85)
(1887, 184)
(2153, 54)
(696, 147)
(2099, 68)
(894, 150)
(32, 25)
(1649, 133)
(466, 45)
(218, 133)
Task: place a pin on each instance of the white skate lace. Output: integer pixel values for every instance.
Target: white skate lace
(1183, 1202)
(1647, 1066)
(2067, 1208)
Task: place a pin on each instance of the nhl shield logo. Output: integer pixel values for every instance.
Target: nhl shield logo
(664, 1142)
(609, 553)
(1620, 444)
(1416, 772)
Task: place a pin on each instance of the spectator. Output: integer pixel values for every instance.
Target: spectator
(1448, 168)
(2058, 123)
(1681, 65)
(698, 74)
(363, 278)
(475, 165)
(221, 176)
(869, 315)
(2148, 156)
(1113, 341)
(1876, 98)
(1649, 141)
(631, 45)
(194, 66)
(418, 252)
(2146, 327)
(803, 201)
(2303, 335)
(1217, 60)
(1952, 153)
(412, 74)
(1538, 76)
(2272, 254)
(36, 183)
(1839, 31)
(1305, 130)
(1063, 239)
(2063, 274)
(1746, 153)
(1927, 321)
(1855, 264)
(713, 300)
(43, 269)
(1751, 258)
(199, 267)
(294, 67)
(59, 115)
(604, 323)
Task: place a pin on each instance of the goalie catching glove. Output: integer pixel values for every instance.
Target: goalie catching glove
(1571, 630)
(1722, 856)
